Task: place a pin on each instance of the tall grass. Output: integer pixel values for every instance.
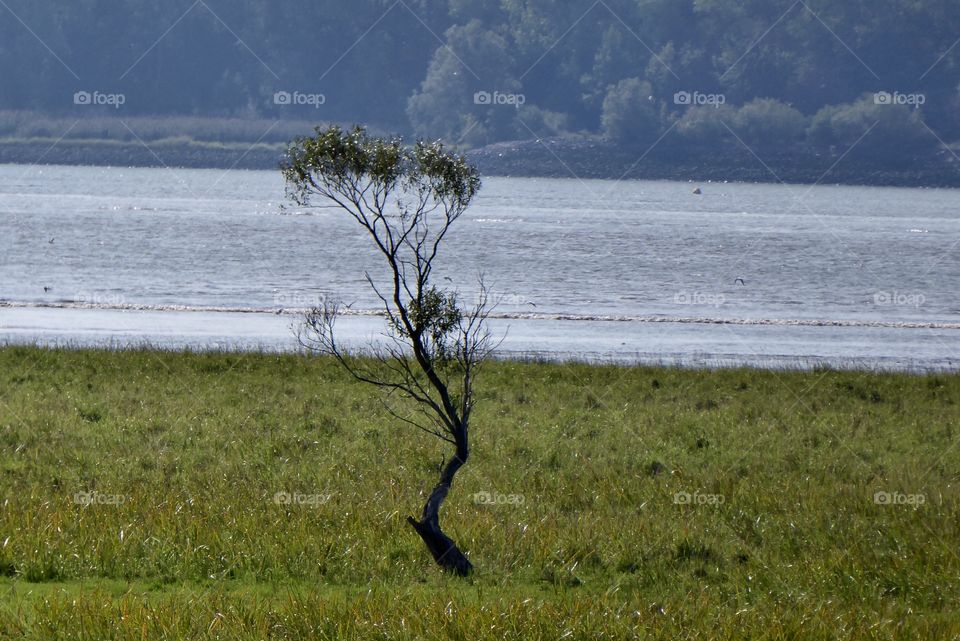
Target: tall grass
(256, 496)
(31, 125)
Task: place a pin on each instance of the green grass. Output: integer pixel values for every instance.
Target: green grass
(782, 537)
(161, 143)
(21, 125)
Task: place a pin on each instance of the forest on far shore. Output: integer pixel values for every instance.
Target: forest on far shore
(879, 75)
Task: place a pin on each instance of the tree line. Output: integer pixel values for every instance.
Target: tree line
(766, 72)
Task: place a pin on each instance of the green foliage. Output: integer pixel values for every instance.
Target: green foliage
(630, 112)
(415, 67)
(768, 122)
(704, 125)
(475, 61)
(872, 127)
(821, 131)
(344, 155)
(436, 316)
(342, 158)
(534, 121)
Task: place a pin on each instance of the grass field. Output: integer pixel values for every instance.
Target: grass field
(151, 495)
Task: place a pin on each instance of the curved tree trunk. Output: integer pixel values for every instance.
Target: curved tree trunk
(445, 552)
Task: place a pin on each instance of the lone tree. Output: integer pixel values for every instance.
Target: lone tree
(406, 199)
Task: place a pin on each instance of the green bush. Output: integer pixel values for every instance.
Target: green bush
(540, 121)
(706, 125)
(630, 113)
(873, 128)
(767, 122)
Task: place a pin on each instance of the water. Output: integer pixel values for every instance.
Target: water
(629, 271)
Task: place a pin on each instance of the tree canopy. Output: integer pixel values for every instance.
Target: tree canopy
(476, 72)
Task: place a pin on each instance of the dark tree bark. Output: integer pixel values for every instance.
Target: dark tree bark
(445, 552)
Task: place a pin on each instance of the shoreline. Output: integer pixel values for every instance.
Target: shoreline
(569, 157)
(518, 316)
(501, 357)
(713, 363)
(685, 345)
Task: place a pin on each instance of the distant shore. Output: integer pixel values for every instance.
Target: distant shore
(570, 157)
(593, 157)
(161, 153)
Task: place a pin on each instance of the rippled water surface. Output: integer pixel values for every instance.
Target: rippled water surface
(750, 255)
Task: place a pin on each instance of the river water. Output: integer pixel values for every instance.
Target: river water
(631, 271)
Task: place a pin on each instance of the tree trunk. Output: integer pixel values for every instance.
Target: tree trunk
(445, 552)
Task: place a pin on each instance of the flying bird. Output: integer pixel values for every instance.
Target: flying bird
(739, 281)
